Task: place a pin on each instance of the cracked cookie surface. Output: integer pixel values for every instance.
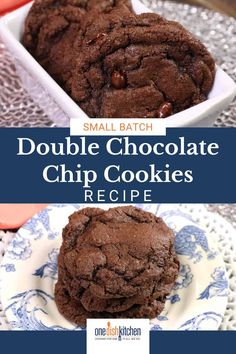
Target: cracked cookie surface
(52, 31)
(140, 66)
(115, 263)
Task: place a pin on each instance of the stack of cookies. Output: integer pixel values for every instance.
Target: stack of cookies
(119, 263)
(115, 63)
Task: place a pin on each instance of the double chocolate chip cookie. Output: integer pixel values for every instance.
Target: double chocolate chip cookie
(115, 263)
(52, 31)
(140, 66)
(116, 64)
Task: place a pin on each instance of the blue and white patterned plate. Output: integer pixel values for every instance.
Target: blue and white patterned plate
(29, 272)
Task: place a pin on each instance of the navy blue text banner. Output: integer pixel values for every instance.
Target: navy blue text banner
(50, 166)
(161, 342)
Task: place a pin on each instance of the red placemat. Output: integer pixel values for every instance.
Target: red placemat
(10, 5)
(12, 216)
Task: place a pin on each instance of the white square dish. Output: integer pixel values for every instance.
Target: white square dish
(11, 29)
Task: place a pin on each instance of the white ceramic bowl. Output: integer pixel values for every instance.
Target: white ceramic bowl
(202, 115)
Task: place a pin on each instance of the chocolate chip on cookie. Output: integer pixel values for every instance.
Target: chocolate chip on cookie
(145, 66)
(53, 32)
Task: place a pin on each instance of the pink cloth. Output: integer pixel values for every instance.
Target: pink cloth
(10, 5)
(12, 216)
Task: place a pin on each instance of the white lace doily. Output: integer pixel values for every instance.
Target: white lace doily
(225, 238)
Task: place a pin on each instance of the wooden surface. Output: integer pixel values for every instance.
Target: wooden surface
(225, 6)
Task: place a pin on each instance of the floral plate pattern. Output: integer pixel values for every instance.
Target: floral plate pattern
(29, 273)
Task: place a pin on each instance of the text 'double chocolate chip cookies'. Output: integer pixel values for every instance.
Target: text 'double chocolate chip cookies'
(116, 263)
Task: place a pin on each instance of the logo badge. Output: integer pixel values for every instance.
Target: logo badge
(106, 336)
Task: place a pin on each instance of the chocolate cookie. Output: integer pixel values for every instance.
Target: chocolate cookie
(106, 6)
(52, 31)
(140, 66)
(115, 263)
